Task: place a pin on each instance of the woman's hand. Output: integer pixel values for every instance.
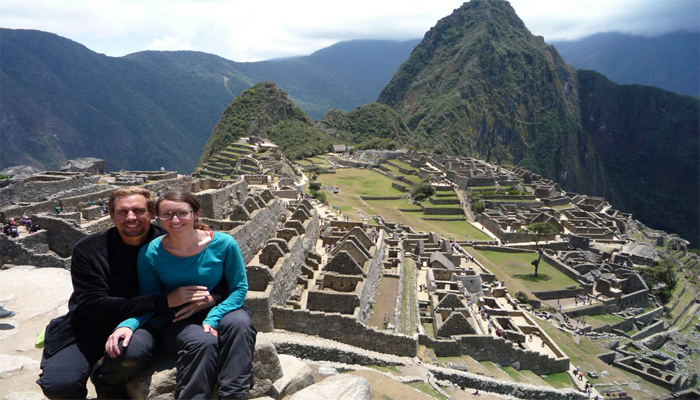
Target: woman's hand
(187, 294)
(194, 307)
(209, 329)
(112, 346)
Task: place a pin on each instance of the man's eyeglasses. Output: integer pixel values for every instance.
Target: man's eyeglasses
(168, 215)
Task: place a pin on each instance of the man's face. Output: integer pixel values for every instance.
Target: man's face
(132, 218)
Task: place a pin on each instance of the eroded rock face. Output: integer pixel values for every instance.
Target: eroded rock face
(158, 381)
(337, 387)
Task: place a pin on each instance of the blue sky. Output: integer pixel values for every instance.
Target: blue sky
(243, 30)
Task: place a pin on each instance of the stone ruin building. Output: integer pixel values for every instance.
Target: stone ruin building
(319, 277)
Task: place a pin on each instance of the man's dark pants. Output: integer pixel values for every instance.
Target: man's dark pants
(64, 375)
(202, 360)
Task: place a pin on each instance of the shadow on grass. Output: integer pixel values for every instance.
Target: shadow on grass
(532, 278)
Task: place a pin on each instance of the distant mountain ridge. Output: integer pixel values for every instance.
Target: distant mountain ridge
(60, 100)
(480, 84)
(670, 61)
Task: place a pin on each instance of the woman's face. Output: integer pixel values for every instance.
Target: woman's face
(177, 216)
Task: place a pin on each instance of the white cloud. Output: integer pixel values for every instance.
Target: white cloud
(244, 30)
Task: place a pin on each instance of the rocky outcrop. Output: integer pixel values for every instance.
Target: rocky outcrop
(337, 387)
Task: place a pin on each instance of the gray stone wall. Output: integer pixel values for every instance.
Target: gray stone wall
(63, 235)
(37, 242)
(40, 190)
(80, 201)
(345, 329)
(443, 210)
(508, 388)
(286, 273)
(374, 272)
(656, 327)
(333, 302)
(501, 351)
(559, 294)
(12, 251)
(220, 202)
(252, 236)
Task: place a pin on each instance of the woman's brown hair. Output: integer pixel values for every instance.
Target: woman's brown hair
(186, 197)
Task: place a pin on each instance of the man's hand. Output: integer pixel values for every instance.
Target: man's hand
(187, 294)
(209, 329)
(112, 346)
(194, 307)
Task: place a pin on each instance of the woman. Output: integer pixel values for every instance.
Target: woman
(212, 347)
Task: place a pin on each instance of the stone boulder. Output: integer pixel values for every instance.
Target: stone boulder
(20, 172)
(336, 387)
(158, 381)
(90, 165)
(297, 375)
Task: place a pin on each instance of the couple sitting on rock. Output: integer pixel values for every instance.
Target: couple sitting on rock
(192, 286)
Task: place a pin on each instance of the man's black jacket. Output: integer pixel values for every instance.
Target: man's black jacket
(105, 291)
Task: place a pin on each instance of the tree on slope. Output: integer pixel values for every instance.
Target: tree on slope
(542, 231)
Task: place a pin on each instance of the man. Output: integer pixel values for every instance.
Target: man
(105, 292)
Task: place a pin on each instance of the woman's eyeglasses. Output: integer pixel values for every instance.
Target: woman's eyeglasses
(168, 215)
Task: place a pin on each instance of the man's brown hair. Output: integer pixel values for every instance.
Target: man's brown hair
(131, 191)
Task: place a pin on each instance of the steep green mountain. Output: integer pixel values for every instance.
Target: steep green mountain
(60, 100)
(648, 141)
(264, 110)
(367, 123)
(480, 84)
(670, 61)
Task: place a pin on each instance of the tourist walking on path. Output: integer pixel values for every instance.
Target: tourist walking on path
(105, 292)
(214, 346)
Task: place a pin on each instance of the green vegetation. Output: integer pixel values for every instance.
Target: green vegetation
(541, 231)
(422, 190)
(264, 110)
(426, 388)
(297, 139)
(603, 319)
(390, 369)
(662, 279)
(522, 297)
(559, 380)
(319, 195)
(372, 125)
(510, 267)
(408, 299)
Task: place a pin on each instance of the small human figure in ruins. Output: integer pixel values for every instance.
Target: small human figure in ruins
(531, 336)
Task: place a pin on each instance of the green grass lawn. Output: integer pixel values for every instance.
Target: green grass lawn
(516, 270)
(355, 182)
(408, 298)
(602, 319)
(402, 165)
(687, 297)
(428, 204)
(559, 380)
(427, 389)
(428, 327)
(412, 179)
(390, 369)
(304, 162)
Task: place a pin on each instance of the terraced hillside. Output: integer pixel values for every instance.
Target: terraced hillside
(230, 163)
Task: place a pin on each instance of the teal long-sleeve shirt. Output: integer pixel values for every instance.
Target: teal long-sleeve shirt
(161, 272)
